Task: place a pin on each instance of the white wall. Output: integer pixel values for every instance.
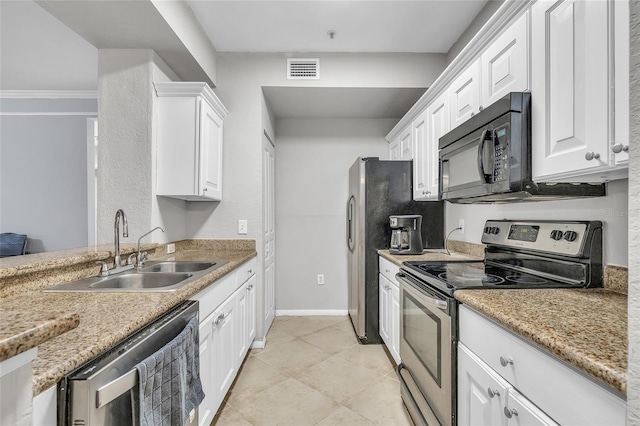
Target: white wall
(633, 384)
(611, 210)
(240, 81)
(313, 157)
(43, 171)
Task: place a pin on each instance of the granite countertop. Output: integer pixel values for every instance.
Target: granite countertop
(427, 255)
(587, 328)
(23, 330)
(107, 318)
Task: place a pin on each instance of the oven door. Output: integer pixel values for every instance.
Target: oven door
(427, 347)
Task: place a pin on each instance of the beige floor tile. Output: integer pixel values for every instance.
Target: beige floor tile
(339, 378)
(345, 325)
(293, 357)
(381, 404)
(301, 326)
(342, 416)
(255, 376)
(370, 356)
(393, 376)
(276, 336)
(287, 403)
(230, 417)
(332, 340)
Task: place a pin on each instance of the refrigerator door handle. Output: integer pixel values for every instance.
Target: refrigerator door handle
(350, 230)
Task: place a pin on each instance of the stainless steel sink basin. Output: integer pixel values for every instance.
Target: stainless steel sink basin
(154, 276)
(176, 266)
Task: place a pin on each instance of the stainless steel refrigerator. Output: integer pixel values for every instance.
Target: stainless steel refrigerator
(377, 190)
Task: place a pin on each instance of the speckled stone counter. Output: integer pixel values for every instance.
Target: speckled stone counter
(587, 328)
(23, 330)
(107, 318)
(427, 255)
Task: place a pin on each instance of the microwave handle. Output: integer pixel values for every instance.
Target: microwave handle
(487, 134)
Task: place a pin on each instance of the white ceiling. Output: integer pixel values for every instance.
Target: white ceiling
(361, 25)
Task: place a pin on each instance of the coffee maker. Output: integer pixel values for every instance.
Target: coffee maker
(406, 237)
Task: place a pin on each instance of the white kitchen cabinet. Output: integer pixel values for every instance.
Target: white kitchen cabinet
(401, 147)
(574, 95)
(189, 141)
(486, 399)
(421, 160)
(558, 391)
(389, 307)
(227, 313)
(505, 63)
(15, 388)
(464, 95)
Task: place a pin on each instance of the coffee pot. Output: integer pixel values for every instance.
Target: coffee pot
(406, 235)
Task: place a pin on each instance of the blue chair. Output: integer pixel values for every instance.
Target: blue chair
(12, 244)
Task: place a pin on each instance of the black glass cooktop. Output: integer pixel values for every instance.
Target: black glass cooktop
(450, 276)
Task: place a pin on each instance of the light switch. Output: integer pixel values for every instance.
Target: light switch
(242, 227)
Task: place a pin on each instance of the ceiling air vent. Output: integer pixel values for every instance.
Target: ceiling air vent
(303, 69)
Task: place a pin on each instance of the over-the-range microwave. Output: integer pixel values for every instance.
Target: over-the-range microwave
(487, 159)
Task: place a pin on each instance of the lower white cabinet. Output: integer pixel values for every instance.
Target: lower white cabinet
(389, 305)
(504, 380)
(227, 328)
(15, 389)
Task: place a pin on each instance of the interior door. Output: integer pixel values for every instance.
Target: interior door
(268, 225)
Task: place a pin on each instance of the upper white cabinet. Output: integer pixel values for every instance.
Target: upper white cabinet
(401, 148)
(577, 118)
(190, 137)
(464, 95)
(505, 63)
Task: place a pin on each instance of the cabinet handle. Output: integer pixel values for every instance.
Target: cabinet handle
(493, 392)
(618, 148)
(510, 412)
(591, 155)
(250, 271)
(387, 271)
(220, 318)
(250, 287)
(426, 192)
(505, 361)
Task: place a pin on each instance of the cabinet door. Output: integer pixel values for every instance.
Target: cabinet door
(519, 411)
(394, 149)
(505, 63)
(621, 110)
(420, 157)
(394, 322)
(210, 152)
(482, 393)
(464, 95)
(241, 322)
(570, 88)
(406, 145)
(207, 408)
(383, 287)
(438, 119)
(224, 349)
(251, 309)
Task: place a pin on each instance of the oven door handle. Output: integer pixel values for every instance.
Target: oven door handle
(443, 305)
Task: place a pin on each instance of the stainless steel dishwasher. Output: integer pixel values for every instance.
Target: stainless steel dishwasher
(104, 390)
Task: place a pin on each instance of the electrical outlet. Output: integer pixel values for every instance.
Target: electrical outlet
(242, 227)
(320, 279)
(171, 248)
(461, 225)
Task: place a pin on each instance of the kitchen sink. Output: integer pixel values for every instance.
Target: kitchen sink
(176, 266)
(156, 276)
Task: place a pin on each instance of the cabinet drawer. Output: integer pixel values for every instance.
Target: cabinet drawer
(245, 271)
(565, 394)
(389, 269)
(213, 296)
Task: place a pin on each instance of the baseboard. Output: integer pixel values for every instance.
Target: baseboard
(258, 344)
(310, 312)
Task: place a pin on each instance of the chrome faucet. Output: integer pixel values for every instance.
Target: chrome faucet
(125, 233)
(143, 256)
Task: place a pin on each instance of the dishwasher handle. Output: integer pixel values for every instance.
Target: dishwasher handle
(107, 393)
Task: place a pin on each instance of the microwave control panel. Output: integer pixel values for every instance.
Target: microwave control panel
(501, 154)
(564, 238)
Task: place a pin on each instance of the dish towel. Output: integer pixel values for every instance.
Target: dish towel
(169, 381)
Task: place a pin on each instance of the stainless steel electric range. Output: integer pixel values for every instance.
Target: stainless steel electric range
(518, 255)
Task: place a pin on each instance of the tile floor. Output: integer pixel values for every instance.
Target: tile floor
(313, 372)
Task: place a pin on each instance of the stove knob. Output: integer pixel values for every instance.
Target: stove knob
(570, 235)
(495, 230)
(556, 235)
(486, 229)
